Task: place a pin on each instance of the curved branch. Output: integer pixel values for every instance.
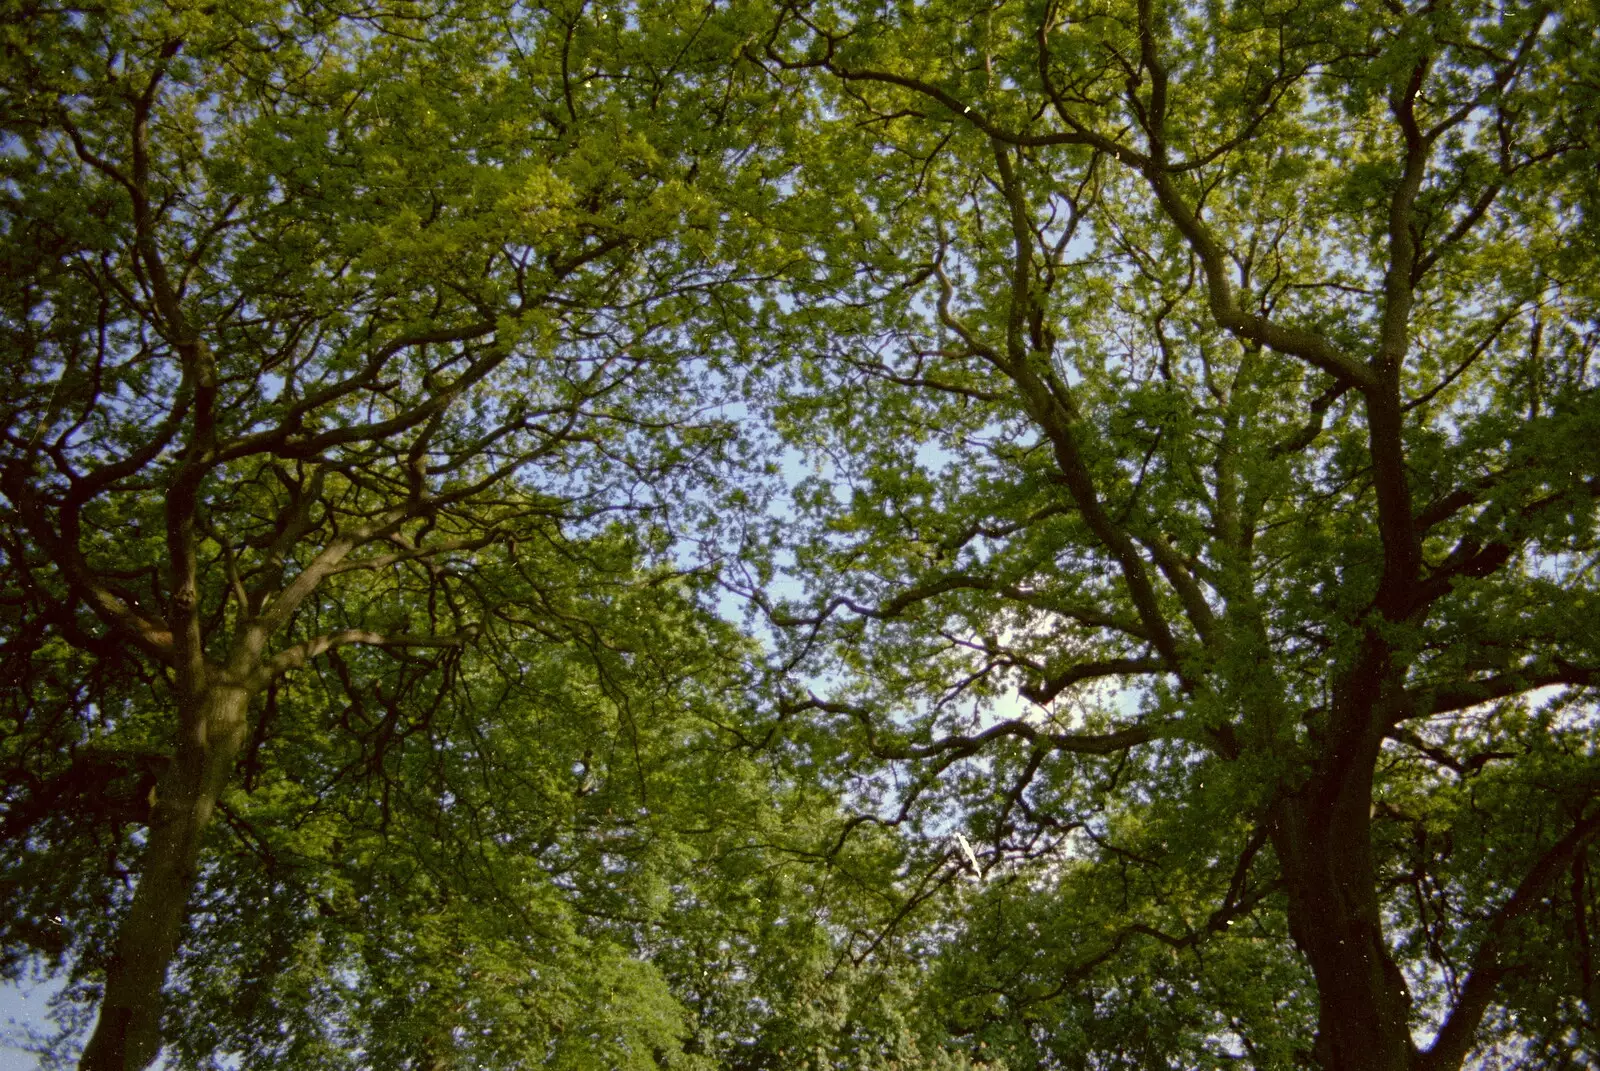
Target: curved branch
(1425, 702)
(1086, 671)
(1295, 342)
(1459, 1032)
(301, 653)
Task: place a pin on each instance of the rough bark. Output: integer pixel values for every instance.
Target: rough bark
(1325, 851)
(127, 1036)
(1322, 833)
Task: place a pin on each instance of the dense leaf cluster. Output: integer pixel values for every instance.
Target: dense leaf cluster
(1154, 447)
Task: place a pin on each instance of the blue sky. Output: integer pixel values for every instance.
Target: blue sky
(21, 1007)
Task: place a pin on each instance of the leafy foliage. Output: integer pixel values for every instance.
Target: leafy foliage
(1202, 403)
(1187, 596)
(347, 383)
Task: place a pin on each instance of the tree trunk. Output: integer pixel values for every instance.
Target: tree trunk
(127, 1036)
(1323, 838)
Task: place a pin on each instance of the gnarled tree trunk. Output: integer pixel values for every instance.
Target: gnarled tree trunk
(1323, 841)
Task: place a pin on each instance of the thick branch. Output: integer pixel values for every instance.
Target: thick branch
(301, 653)
(1459, 1032)
(281, 607)
(1053, 686)
(279, 440)
(1049, 402)
(1305, 345)
(1423, 702)
(1402, 550)
(145, 632)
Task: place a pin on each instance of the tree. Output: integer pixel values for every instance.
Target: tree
(344, 377)
(1205, 412)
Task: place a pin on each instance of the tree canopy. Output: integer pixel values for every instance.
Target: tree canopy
(1208, 401)
(345, 383)
(1155, 446)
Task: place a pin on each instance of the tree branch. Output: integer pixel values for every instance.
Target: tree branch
(1459, 1032)
(1054, 685)
(294, 657)
(1424, 702)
